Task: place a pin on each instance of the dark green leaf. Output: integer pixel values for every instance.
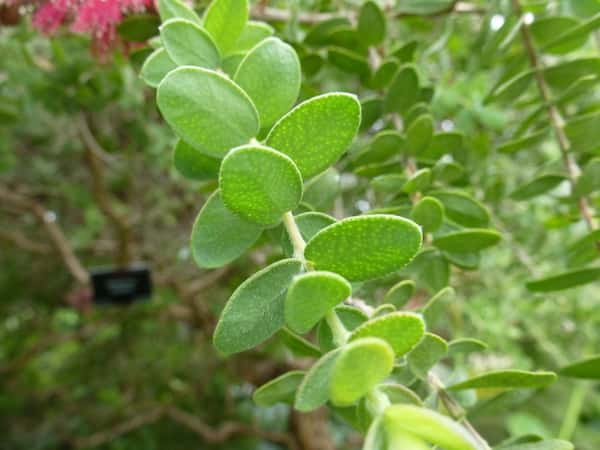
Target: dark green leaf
(565, 280)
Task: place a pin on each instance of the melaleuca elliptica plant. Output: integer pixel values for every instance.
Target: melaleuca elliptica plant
(229, 89)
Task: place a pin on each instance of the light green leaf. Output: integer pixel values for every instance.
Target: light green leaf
(255, 310)
(350, 317)
(547, 33)
(361, 365)
(588, 368)
(279, 390)
(419, 134)
(188, 44)
(231, 63)
(400, 293)
(193, 164)
(512, 89)
(429, 213)
(371, 24)
(403, 92)
(462, 208)
(465, 346)
(573, 37)
(426, 354)
(259, 183)
(298, 345)
(537, 186)
(402, 330)
(252, 34)
(173, 9)
(313, 392)
(418, 181)
(398, 393)
(207, 110)
(507, 379)
(583, 133)
(219, 236)
(156, 67)
(312, 295)
(309, 224)
(584, 250)
(401, 439)
(317, 132)
(362, 248)
(528, 142)
(437, 305)
(225, 21)
(467, 241)
(565, 280)
(551, 444)
(270, 75)
(375, 438)
(589, 181)
(382, 310)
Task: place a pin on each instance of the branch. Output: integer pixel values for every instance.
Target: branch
(556, 120)
(57, 237)
(101, 195)
(23, 242)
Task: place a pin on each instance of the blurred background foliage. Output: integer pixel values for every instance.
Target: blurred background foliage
(83, 150)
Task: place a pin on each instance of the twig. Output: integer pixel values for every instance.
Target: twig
(57, 237)
(556, 120)
(19, 240)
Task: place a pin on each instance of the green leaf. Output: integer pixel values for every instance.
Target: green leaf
(390, 183)
(584, 250)
(589, 181)
(156, 67)
(371, 108)
(348, 61)
(173, 9)
(362, 248)
(583, 133)
(252, 34)
(429, 213)
(431, 268)
(551, 444)
(563, 74)
(444, 143)
(298, 345)
(401, 439)
(384, 145)
(436, 306)
(219, 236)
(467, 241)
(193, 164)
(421, 7)
(429, 425)
(270, 75)
(317, 132)
(462, 208)
(259, 183)
(524, 143)
(402, 330)
(350, 317)
(371, 24)
(384, 74)
(321, 191)
(398, 393)
(188, 44)
(588, 368)
(400, 293)
(572, 37)
(375, 438)
(565, 280)
(138, 27)
(279, 390)
(313, 391)
(426, 354)
(312, 295)
(418, 182)
(507, 379)
(361, 365)
(225, 21)
(547, 32)
(207, 110)
(309, 224)
(465, 346)
(512, 89)
(403, 92)
(419, 134)
(319, 34)
(255, 310)
(537, 186)
(231, 63)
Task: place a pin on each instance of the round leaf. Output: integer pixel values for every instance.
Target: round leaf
(425, 355)
(189, 44)
(429, 213)
(400, 293)
(259, 183)
(207, 110)
(362, 248)
(156, 67)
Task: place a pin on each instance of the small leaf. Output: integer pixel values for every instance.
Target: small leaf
(418, 182)
(207, 110)
(548, 30)
(350, 317)
(385, 144)
(429, 213)
(371, 24)
(270, 75)
(423, 8)
(524, 143)
(565, 280)
(313, 391)
(398, 393)
(321, 191)
(317, 132)
(225, 21)
(360, 366)
(375, 438)
(188, 44)
(362, 248)
(312, 295)
(348, 61)
(419, 134)
(551, 444)
(384, 74)
(400, 293)
(259, 183)
(279, 390)
(584, 250)
(507, 379)
(450, 143)
(573, 37)
(467, 241)
(465, 346)
(426, 354)
(512, 89)
(402, 439)
(138, 27)
(402, 330)
(586, 368)
(589, 181)
(403, 92)
(219, 236)
(537, 186)
(437, 305)
(462, 208)
(298, 345)
(255, 310)
(174, 9)
(583, 132)
(371, 108)
(193, 164)
(156, 67)
(252, 34)
(309, 223)
(429, 425)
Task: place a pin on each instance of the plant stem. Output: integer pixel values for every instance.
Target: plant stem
(377, 402)
(340, 334)
(556, 121)
(573, 410)
(295, 236)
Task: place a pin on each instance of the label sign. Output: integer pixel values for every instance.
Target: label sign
(121, 286)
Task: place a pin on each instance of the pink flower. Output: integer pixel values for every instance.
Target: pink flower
(50, 16)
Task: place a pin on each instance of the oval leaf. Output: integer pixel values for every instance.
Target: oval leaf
(400, 293)
(429, 213)
(193, 164)
(424, 356)
(225, 20)
(586, 368)
(565, 280)
(279, 390)
(156, 67)
(507, 379)
(313, 392)
(467, 241)
(188, 44)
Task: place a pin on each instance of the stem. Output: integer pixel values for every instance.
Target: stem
(295, 236)
(340, 334)
(556, 121)
(456, 411)
(377, 402)
(573, 410)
